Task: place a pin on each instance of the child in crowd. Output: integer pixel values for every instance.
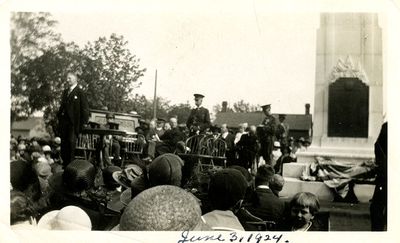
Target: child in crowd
(303, 207)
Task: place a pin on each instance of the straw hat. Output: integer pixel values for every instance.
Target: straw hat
(126, 176)
(68, 218)
(162, 208)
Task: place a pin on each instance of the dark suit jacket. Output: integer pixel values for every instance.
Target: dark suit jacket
(248, 143)
(230, 141)
(267, 206)
(74, 109)
(172, 137)
(199, 117)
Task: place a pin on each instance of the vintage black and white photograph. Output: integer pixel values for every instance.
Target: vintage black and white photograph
(192, 117)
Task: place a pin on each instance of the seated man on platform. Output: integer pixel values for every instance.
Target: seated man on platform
(160, 127)
(170, 139)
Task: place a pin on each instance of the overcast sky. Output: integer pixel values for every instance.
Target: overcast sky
(256, 56)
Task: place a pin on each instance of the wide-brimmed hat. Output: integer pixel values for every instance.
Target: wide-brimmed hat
(277, 144)
(162, 208)
(166, 169)
(127, 175)
(79, 175)
(68, 218)
(226, 188)
(108, 178)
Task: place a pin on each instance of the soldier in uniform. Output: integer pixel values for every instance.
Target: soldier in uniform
(282, 132)
(266, 132)
(199, 118)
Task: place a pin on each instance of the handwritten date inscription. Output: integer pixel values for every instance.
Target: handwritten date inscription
(187, 237)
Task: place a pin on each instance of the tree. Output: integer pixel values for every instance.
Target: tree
(110, 72)
(31, 35)
(239, 106)
(44, 79)
(182, 111)
(106, 70)
(217, 108)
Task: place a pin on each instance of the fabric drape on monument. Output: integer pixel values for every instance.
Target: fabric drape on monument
(338, 175)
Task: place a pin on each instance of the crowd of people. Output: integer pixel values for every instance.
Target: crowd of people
(152, 191)
(152, 198)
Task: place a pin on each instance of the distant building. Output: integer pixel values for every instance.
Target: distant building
(31, 127)
(300, 125)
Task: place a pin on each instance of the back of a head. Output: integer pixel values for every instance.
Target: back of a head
(79, 175)
(21, 207)
(226, 188)
(244, 172)
(166, 169)
(306, 200)
(22, 175)
(162, 208)
(277, 182)
(264, 175)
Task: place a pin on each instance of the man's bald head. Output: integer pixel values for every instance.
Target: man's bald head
(173, 121)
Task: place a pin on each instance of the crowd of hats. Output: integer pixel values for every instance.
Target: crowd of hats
(151, 195)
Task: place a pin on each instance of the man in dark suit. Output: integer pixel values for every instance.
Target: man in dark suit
(264, 203)
(282, 131)
(171, 140)
(267, 133)
(72, 116)
(247, 148)
(199, 118)
(378, 207)
(229, 139)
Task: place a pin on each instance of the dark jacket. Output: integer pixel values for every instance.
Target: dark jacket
(74, 109)
(199, 117)
(172, 136)
(267, 206)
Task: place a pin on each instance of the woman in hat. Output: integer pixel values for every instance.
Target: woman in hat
(68, 218)
(163, 208)
(226, 192)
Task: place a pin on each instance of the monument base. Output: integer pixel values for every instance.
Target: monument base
(343, 150)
